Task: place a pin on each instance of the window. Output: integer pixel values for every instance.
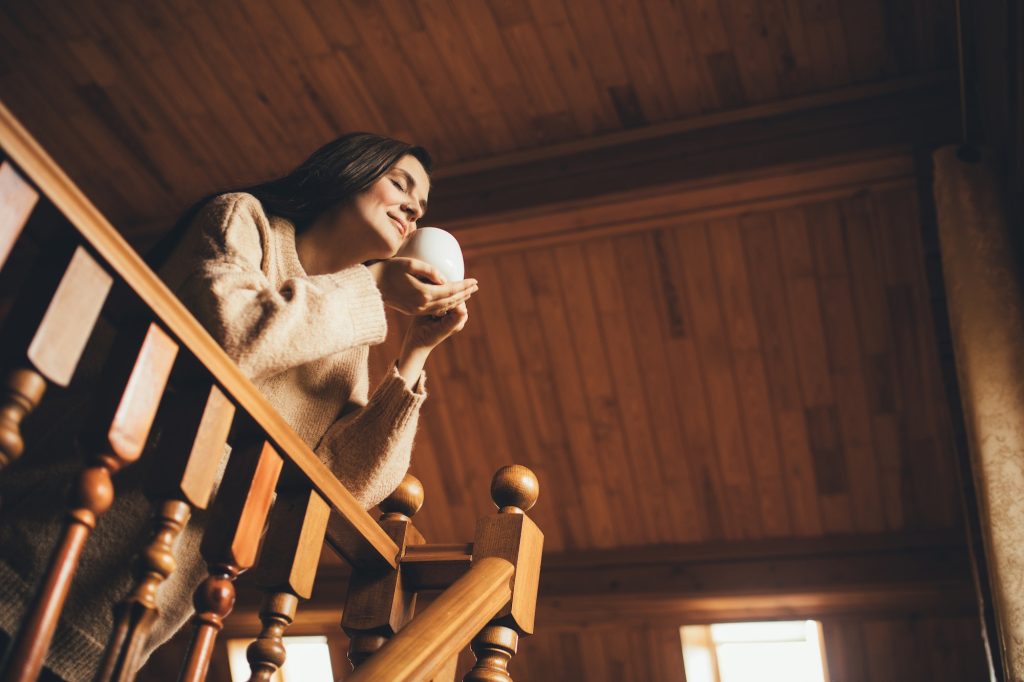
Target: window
(777, 651)
(308, 660)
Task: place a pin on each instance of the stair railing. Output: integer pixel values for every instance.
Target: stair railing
(165, 370)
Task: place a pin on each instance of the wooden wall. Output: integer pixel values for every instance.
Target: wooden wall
(932, 648)
(744, 358)
(892, 649)
(929, 649)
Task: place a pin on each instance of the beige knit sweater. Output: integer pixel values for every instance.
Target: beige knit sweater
(303, 340)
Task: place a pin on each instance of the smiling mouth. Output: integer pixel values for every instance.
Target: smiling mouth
(399, 225)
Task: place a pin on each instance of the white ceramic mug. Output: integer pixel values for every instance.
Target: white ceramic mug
(438, 248)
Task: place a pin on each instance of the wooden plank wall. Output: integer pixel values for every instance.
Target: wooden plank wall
(936, 648)
(890, 649)
(680, 370)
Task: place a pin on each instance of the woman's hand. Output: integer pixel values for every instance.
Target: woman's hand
(426, 333)
(413, 287)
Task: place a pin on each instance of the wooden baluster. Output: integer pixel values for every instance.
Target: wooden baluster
(379, 604)
(194, 426)
(494, 648)
(22, 391)
(511, 535)
(17, 199)
(287, 570)
(129, 413)
(230, 544)
(44, 337)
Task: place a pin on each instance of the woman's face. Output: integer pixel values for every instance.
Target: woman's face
(390, 208)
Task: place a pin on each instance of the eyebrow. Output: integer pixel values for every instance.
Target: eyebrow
(412, 184)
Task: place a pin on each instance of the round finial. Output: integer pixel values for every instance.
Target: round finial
(515, 489)
(407, 498)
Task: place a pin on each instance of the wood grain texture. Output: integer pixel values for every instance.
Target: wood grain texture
(292, 544)
(68, 321)
(445, 627)
(243, 500)
(17, 199)
(193, 425)
(177, 112)
(739, 370)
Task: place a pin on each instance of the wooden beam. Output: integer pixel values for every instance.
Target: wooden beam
(758, 580)
(670, 205)
(710, 582)
(921, 112)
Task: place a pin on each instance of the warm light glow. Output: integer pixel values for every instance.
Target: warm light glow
(783, 651)
(308, 660)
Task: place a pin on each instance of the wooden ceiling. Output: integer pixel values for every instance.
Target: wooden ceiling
(150, 105)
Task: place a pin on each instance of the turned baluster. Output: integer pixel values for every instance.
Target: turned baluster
(286, 571)
(380, 603)
(230, 545)
(511, 535)
(129, 414)
(194, 425)
(45, 335)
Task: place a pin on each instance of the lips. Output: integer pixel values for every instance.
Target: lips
(399, 224)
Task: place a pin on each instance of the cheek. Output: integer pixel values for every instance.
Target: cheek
(386, 194)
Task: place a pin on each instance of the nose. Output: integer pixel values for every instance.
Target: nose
(412, 212)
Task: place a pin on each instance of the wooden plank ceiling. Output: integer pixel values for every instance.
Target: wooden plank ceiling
(150, 105)
(735, 358)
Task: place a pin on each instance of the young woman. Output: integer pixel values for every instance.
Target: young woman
(292, 278)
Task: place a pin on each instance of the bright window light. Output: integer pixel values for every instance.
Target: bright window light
(781, 651)
(308, 660)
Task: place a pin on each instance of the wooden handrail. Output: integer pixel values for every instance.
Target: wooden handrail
(368, 546)
(446, 627)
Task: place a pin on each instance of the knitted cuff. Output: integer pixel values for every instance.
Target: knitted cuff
(395, 402)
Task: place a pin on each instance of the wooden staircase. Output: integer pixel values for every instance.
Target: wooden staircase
(165, 370)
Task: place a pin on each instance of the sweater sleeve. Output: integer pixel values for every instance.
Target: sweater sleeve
(369, 449)
(268, 328)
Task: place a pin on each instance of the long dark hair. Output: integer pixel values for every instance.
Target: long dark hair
(332, 175)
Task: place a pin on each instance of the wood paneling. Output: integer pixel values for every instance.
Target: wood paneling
(907, 649)
(615, 614)
(151, 106)
(880, 649)
(904, 649)
(729, 360)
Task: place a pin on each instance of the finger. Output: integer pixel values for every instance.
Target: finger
(438, 292)
(461, 314)
(452, 299)
(418, 268)
(448, 303)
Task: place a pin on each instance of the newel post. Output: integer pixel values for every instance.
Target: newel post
(379, 604)
(512, 535)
